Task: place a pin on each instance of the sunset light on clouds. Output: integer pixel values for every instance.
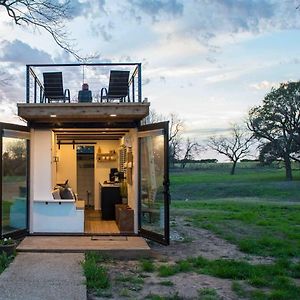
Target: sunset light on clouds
(207, 61)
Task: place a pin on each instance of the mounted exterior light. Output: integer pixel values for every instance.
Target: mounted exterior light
(112, 115)
(52, 116)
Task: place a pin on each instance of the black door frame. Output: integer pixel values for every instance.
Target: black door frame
(15, 127)
(163, 239)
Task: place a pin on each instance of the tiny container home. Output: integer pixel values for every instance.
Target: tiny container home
(84, 164)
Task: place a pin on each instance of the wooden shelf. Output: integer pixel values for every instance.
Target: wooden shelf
(106, 157)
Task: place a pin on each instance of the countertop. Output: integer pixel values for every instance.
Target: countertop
(110, 184)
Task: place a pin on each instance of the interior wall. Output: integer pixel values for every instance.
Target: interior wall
(66, 167)
(54, 154)
(102, 169)
(85, 178)
(133, 188)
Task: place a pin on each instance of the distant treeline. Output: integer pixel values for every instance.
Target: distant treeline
(201, 161)
(209, 161)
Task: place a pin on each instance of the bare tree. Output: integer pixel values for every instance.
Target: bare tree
(48, 15)
(235, 147)
(191, 149)
(175, 137)
(176, 126)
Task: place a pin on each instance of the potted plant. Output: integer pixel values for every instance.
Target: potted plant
(8, 245)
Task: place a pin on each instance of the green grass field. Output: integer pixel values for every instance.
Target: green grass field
(257, 210)
(214, 182)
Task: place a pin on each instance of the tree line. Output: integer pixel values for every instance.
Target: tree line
(273, 128)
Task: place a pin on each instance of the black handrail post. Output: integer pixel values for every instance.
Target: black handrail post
(1, 179)
(27, 83)
(41, 95)
(35, 89)
(133, 89)
(140, 82)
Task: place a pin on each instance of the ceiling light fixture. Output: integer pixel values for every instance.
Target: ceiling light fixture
(113, 115)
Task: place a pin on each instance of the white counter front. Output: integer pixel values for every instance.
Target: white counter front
(57, 216)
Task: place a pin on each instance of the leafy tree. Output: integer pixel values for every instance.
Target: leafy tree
(14, 159)
(277, 122)
(48, 15)
(236, 146)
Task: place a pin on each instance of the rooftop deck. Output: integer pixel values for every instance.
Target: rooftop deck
(40, 110)
(67, 113)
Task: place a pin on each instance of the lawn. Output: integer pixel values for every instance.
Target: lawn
(214, 182)
(257, 227)
(256, 210)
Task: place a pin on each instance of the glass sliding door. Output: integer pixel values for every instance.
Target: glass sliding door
(154, 182)
(14, 187)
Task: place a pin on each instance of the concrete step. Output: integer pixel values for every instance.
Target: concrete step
(114, 246)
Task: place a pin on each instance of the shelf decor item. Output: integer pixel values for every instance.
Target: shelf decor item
(105, 157)
(8, 246)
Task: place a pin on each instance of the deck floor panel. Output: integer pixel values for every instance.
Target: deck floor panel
(110, 245)
(93, 224)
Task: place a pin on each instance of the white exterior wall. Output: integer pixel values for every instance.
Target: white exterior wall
(40, 168)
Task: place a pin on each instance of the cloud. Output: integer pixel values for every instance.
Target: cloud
(103, 30)
(78, 8)
(22, 53)
(156, 8)
(264, 85)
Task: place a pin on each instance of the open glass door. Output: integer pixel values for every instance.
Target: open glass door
(14, 165)
(154, 194)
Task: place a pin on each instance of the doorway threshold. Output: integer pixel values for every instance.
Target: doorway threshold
(114, 246)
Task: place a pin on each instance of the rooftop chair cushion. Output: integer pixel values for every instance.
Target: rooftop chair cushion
(118, 86)
(53, 87)
(66, 193)
(85, 96)
(56, 194)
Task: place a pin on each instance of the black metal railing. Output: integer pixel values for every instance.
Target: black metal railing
(95, 73)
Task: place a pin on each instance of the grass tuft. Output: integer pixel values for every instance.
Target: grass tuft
(147, 265)
(5, 261)
(96, 275)
(166, 283)
(208, 294)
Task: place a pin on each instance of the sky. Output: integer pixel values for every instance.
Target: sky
(209, 61)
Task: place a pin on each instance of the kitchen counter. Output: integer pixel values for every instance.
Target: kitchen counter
(107, 184)
(59, 215)
(110, 196)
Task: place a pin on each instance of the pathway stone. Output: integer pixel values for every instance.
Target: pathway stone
(44, 276)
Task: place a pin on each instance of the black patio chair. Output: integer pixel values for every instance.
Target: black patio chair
(53, 88)
(118, 87)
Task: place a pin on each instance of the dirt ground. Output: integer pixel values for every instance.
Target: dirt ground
(186, 241)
